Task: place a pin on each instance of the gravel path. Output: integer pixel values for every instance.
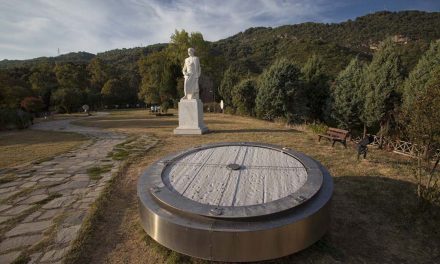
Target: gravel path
(43, 207)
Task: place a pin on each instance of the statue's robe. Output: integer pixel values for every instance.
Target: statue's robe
(191, 71)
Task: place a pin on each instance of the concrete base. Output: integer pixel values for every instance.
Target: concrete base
(191, 118)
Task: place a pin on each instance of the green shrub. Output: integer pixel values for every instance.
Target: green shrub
(14, 118)
(229, 110)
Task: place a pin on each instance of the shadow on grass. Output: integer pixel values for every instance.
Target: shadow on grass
(139, 123)
(255, 130)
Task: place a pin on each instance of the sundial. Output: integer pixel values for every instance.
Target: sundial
(235, 201)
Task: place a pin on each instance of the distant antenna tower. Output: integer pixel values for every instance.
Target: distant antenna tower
(58, 51)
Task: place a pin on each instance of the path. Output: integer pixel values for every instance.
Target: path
(43, 207)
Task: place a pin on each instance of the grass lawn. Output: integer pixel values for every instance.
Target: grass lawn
(374, 209)
(22, 146)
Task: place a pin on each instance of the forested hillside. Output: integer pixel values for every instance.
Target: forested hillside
(74, 57)
(257, 47)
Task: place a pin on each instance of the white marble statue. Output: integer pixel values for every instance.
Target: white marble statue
(190, 106)
(191, 72)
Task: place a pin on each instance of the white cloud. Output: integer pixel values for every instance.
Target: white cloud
(35, 28)
(39, 27)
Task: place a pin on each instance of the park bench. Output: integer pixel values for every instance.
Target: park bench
(335, 135)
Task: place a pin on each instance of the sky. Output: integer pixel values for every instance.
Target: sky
(35, 28)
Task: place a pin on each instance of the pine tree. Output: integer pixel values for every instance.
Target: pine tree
(383, 82)
(317, 87)
(420, 75)
(348, 95)
(281, 93)
(424, 117)
(421, 98)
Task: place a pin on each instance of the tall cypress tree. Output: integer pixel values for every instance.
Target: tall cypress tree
(383, 79)
(348, 96)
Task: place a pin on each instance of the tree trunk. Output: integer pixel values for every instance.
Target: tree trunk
(365, 131)
(381, 131)
(419, 176)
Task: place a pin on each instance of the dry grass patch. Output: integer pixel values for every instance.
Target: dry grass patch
(23, 146)
(374, 209)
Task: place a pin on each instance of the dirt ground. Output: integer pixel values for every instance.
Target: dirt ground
(374, 210)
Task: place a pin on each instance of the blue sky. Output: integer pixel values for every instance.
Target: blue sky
(33, 28)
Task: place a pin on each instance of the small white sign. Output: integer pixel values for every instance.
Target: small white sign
(221, 104)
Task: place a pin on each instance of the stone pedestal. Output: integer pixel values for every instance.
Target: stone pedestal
(191, 118)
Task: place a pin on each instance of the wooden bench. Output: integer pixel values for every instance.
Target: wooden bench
(335, 135)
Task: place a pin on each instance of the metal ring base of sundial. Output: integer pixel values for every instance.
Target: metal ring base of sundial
(201, 225)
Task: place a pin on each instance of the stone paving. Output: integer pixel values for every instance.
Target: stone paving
(43, 206)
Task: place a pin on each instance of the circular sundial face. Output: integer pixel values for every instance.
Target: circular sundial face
(230, 180)
(235, 175)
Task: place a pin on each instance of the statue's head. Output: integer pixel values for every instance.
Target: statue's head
(191, 51)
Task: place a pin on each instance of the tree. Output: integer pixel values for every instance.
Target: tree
(12, 90)
(382, 84)
(424, 129)
(424, 117)
(178, 47)
(43, 81)
(232, 76)
(114, 92)
(180, 41)
(420, 75)
(348, 95)
(159, 79)
(281, 93)
(71, 76)
(243, 97)
(67, 100)
(99, 73)
(317, 87)
(421, 97)
(72, 84)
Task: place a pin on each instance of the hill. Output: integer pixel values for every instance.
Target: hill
(75, 57)
(336, 42)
